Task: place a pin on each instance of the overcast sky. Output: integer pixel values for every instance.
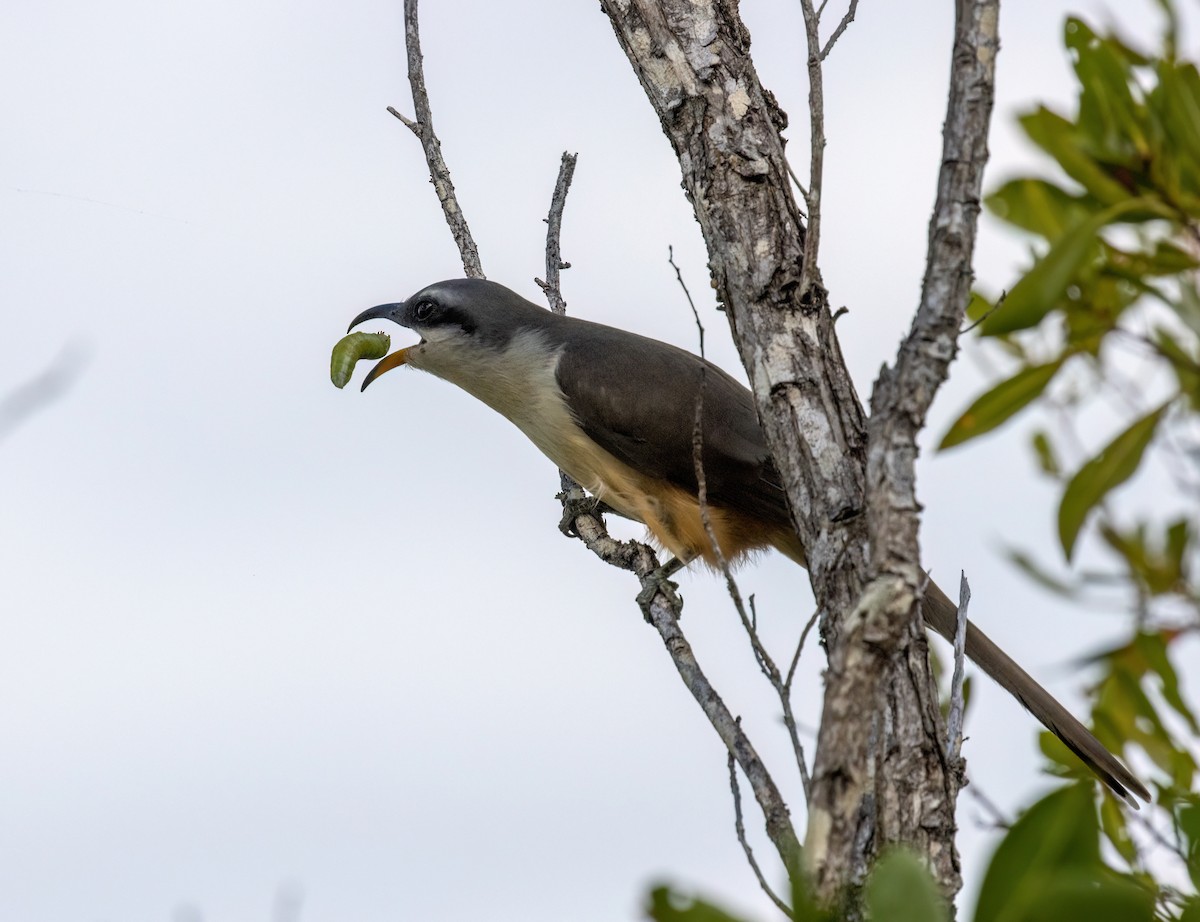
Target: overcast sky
(269, 647)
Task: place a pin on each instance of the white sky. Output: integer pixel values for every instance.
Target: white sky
(265, 641)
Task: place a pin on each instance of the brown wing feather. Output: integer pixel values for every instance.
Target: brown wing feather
(636, 397)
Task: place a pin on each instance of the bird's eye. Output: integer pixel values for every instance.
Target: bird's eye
(423, 310)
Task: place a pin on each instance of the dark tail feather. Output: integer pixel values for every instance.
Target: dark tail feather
(941, 614)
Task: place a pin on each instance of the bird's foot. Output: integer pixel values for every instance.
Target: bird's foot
(573, 507)
(657, 581)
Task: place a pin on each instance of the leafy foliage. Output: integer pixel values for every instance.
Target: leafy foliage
(1108, 317)
(1114, 284)
(1120, 243)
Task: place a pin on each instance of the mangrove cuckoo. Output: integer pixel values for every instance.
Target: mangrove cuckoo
(616, 411)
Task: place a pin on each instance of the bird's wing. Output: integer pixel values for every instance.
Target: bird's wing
(636, 398)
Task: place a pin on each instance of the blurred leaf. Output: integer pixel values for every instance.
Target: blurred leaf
(1181, 106)
(1189, 825)
(1094, 898)
(1039, 206)
(1093, 305)
(1059, 833)
(1167, 258)
(1116, 830)
(900, 889)
(1183, 362)
(804, 904)
(1043, 286)
(1001, 402)
(1188, 305)
(1153, 647)
(1038, 574)
(1115, 464)
(1159, 569)
(1047, 459)
(1125, 712)
(1060, 139)
(667, 905)
(1108, 114)
(1191, 910)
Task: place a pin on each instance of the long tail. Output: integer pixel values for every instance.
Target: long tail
(942, 615)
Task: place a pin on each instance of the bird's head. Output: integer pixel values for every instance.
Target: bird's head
(455, 318)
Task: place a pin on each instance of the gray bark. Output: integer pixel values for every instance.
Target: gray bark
(880, 774)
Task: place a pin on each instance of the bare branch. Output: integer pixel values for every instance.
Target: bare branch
(581, 519)
(954, 722)
(554, 263)
(408, 122)
(740, 828)
(879, 770)
(841, 27)
(439, 173)
(749, 623)
(810, 274)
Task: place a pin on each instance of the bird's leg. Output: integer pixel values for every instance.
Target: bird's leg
(657, 581)
(575, 506)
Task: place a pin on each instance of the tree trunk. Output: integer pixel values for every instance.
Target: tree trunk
(880, 773)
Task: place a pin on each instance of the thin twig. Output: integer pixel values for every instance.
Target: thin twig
(991, 310)
(439, 173)
(740, 828)
(810, 275)
(554, 263)
(749, 622)
(789, 719)
(954, 723)
(663, 609)
(841, 27)
(999, 819)
(572, 496)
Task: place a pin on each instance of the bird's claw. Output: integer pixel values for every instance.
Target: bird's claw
(657, 581)
(575, 506)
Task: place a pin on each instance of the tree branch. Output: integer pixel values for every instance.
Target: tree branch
(880, 775)
(439, 173)
(554, 263)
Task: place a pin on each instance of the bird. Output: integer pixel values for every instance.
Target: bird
(616, 411)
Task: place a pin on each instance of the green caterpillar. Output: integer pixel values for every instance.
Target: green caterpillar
(353, 347)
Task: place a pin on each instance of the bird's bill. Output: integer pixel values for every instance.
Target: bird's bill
(386, 364)
(396, 359)
(379, 312)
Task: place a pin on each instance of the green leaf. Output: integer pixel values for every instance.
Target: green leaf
(1039, 574)
(1039, 206)
(1154, 648)
(1047, 458)
(1189, 825)
(1115, 464)
(1000, 403)
(900, 889)
(1180, 102)
(1042, 288)
(1058, 834)
(1166, 258)
(1095, 898)
(1116, 830)
(1059, 137)
(667, 905)
(1183, 362)
(1108, 114)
